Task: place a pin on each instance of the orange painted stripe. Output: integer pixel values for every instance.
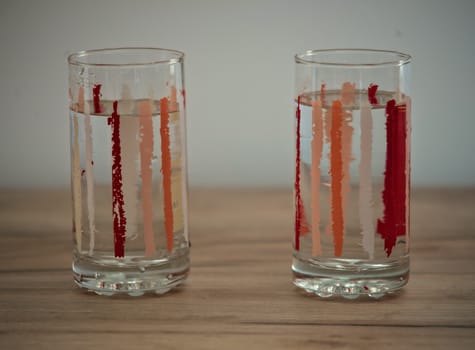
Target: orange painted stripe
(336, 171)
(166, 171)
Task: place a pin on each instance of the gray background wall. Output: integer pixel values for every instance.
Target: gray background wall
(239, 76)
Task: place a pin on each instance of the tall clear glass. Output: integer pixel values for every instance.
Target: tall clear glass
(128, 170)
(352, 173)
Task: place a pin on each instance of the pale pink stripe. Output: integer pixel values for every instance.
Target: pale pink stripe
(146, 155)
(181, 115)
(317, 149)
(365, 188)
(81, 100)
(327, 118)
(173, 100)
(184, 182)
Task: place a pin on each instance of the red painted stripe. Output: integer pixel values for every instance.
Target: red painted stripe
(298, 199)
(166, 171)
(393, 223)
(118, 213)
(301, 225)
(372, 89)
(96, 98)
(336, 170)
(183, 94)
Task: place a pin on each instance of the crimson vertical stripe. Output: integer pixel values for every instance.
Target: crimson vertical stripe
(372, 89)
(166, 171)
(96, 98)
(393, 223)
(118, 213)
(336, 170)
(298, 200)
(301, 225)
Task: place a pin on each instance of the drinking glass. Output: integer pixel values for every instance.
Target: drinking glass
(128, 170)
(352, 172)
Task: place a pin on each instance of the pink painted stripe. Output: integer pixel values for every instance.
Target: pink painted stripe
(317, 150)
(347, 93)
(173, 100)
(146, 155)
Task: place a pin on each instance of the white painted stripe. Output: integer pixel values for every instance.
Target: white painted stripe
(365, 188)
(317, 149)
(129, 132)
(89, 178)
(77, 184)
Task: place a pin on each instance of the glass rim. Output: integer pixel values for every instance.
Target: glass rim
(172, 56)
(310, 57)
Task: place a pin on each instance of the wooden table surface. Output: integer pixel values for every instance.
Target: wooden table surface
(239, 294)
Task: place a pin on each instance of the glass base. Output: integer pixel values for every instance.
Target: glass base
(109, 279)
(350, 278)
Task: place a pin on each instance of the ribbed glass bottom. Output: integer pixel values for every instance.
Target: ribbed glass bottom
(110, 276)
(350, 278)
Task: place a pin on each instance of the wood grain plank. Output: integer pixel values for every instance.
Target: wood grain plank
(239, 294)
(175, 336)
